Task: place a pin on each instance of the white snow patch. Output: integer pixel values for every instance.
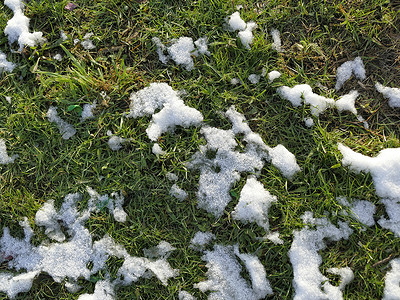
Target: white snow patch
(393, 210)
(63, 36)
(363, 211)
(277, 43)
(8, 99)
(309, 282)
(392, 281)
(235, 81)
(183, 295)
(344, 72)
(254, 78)
(178, 193)
(13, 285)
(4, 158)
(157, 150)
(347, 101)
(87, 112)
(115, 142)
(57, 57)
(284, 160)
(103, 290)
(309, 122)
(201, 239)
(273, 75)
(393, 94)
(162, 250)
(235, 22)
(66, 129)
(224, 279)
(171, 176)
(87, 43)
(17, 28)
(5, 65)
(274, 237)
(173, 113)
(254, 203)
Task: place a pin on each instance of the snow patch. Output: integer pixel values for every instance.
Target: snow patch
(344, 72)
(5, 65)
(393, 94)
(4, 158)
(66, 129)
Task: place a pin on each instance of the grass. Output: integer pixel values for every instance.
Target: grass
(317, 37)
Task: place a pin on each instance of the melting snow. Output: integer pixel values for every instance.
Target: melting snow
(157, 150)
(393, 94)
(309, 282)
(344, 72)
(201, 239)
(392, 281)
(183, 295)
(276, 37)
(173, 113)
(115, 142)
(346, 102)
(224, 279)
(87, 112)
(235, 23)
(363, 211)
(178, 193)
(4, 158)
(66, 129)
(254, 78)
(309, 122)
(5, 65)
(273, 75)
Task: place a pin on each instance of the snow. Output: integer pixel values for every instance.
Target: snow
(17, 28)
(361, 210)
(87, 112)
(162, 250)
(235, 81)
(254, 203)
(347, 101)
(201, 239)
(392, 281)
(69, 257)
(8, 99)
(63, 36)
(309, 122)
(66, 129)
(173, 113)
(224, 279)
(344, 72)
(5, 65)
(309, 282)
(178, 193)
(284, 160)
(276, 37)
(115, 142)
(183, 295)
(274, 237)
(254, 78)
(171, 176)
(4, 158)
(157, 150)
(393, 94)
(393, 210)
(57, 57)
(235, 23)
(273, 75)
(181, 50)
(384, 169)
(87, 43)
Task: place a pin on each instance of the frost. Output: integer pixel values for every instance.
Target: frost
(178, 193)
(276, 37)
(87, 112)
(224, 279)
(173, 113)
(393, 94)
(4, 158)
(392, 281)
(8, 99)
(309, 282)
(344, 72)
(201, 239)
(254, 203)
(5, 65)
(66, 129)
(17, 28)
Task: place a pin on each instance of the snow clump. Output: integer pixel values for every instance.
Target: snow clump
(66, 129)
(115, 142)
(173, 113)
(178, 193)
(309, 282)
(4, 158)
(201, 239)
(87, 112)
(284, 160)
(87, 43)
(254, 78)
(235, 23)
(309, 122)
(183, 295)
(273, 75)
(181, 51)
(57, 57)
(5, 65)
(171, 176)
(393, 94)
(157, 150)
(254, 203)
(224, 279)
(346, 102)
(361, 210)
(69, 257)
(344, 72)
(276, 37)
(392, 281)
(163, 249)
(17, 28)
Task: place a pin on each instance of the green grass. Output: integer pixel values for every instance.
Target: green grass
(317, 37)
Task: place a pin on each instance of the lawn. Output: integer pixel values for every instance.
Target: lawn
(317, 37)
